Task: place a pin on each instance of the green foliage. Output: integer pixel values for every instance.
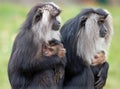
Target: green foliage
(11, 18)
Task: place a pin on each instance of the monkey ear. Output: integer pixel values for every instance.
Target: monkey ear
(83, 20)
(104, 17)
(38, 17)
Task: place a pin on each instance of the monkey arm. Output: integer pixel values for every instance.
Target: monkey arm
(23, 57)
(100, 70)
(24, 61)
(78, 81)
(100, 74)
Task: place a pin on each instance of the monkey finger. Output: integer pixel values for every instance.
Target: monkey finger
(98, 61)
(103, 61)
(61, 53)
(95, 62)
(99, 85)
(99, 81)
(99, 74)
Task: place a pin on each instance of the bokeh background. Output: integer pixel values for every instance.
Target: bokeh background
(13, 14)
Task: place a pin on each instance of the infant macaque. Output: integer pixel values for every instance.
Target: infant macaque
(54, 48)
(99, 58)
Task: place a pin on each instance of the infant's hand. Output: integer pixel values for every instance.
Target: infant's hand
(61, 51)
(99, 58)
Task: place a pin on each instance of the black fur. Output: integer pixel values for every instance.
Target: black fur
(100, 75)
(26, 70)
(79, 74)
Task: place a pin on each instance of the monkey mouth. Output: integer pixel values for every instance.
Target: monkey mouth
(103, 35)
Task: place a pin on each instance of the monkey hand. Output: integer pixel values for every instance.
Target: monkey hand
(101, 81)
(102, 76)
(61, 52)
(99, 58)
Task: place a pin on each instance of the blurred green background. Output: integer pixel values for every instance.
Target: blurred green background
(13, 14)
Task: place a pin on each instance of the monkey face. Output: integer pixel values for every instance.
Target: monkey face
(98, 17)
(49, 12)
(56, 23)
(54, 12)
(103, 29)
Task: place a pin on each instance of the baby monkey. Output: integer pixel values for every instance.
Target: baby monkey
(54, 47)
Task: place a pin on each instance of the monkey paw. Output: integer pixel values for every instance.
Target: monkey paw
(61, 52)
(99, 58)
(100, 83)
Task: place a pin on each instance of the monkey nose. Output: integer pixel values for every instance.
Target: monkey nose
(103, 33)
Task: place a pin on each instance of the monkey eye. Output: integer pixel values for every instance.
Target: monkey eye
(38, 17)
(101, 21)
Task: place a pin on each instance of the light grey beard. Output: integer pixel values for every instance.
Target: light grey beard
(55, 35)
(45, 34)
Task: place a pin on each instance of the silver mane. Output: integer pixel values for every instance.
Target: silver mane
(89, 43)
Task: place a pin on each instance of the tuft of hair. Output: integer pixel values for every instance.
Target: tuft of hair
(52, 3)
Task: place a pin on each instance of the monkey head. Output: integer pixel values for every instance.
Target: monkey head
(43, 19)
(94, 32)
(48, 14)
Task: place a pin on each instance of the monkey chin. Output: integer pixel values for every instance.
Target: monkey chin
(99, 58)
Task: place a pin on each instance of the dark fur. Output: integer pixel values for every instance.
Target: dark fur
(27, 70)
(78, 73)
(100, 74)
